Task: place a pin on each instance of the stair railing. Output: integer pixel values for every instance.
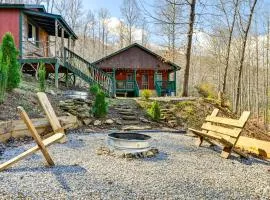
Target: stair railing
(88, 72)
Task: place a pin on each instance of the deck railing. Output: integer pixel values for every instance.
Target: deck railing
(38, 49)
(128, 85)
(165, 86)
(88, 72)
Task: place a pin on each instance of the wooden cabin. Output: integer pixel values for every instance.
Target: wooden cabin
(135, 68)
(39, 36)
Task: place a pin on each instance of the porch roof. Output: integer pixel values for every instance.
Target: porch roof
(47, 22)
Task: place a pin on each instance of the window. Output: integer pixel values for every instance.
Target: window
(32, 34)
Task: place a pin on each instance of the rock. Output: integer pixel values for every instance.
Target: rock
(149, 154)
(109, 121)
(87, 121)
(127, 113)
(129, 117)
(52, 92)
(97, 122)
(118, 121)
(172, 123)
(131, 122)
(83, 115)
(134, 127)
(142, 119)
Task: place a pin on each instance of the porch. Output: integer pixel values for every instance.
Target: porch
(131, 82)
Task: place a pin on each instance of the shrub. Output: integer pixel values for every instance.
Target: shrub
(42, 77)
(146, 94)
(3, 77)
(206, 90)
(10, 54)
(154, 111)
(100, 106)
(94, 89)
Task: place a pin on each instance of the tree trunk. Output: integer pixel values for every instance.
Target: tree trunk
(189, 45)
(243, 56)
(229, 47)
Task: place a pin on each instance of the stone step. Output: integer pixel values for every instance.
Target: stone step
(126, 117)
(123, 110)
(126, 113)
(134, 127)
(133, 122)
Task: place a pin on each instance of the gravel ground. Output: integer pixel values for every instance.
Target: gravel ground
(180, 171)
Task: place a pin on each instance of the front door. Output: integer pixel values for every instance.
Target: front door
(145, 81)
(130, 82)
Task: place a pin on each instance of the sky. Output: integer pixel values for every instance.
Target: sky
(112, 5)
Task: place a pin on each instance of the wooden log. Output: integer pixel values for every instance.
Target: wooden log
(17, 128)
(46, 142)
(35, 135)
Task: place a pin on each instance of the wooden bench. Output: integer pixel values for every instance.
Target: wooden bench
(222, 130)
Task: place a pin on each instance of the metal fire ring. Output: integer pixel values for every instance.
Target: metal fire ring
(129, 142)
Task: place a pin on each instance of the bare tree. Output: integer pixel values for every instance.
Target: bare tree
(192, 5)
(230, 26)
(242, 58)
(131, 14)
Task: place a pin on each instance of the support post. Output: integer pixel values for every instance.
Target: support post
(62, 41)
(56, 73)
(56, 36)
(114, 83)
(68, 42)
(174, 79)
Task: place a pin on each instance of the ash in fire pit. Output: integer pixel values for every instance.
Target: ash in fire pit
(129, 142)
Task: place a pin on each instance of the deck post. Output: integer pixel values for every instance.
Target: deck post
(56, 36)
(56, 72)
(174, 79)
(114, 83)
(62, 41)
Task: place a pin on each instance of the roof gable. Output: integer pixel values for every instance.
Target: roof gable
(136, 45)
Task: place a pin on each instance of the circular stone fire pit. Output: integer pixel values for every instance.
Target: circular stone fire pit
(129, 142)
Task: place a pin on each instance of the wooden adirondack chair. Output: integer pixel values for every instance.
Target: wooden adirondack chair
(222, 130)
(41, 144)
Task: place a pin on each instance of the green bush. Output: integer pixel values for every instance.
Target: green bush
(146, 94)
(206, 90)
(154, 111)
(3, 77)
(94, 89)
(42, 77)
(100, 106)
(10, 55)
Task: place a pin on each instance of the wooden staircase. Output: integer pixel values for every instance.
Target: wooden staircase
(88, 72)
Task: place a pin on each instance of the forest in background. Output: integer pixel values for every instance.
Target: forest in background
(223, 44)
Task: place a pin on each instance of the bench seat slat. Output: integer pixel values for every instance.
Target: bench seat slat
(212, 135)
(219, 129)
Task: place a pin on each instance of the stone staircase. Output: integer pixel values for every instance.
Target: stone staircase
(127, 114)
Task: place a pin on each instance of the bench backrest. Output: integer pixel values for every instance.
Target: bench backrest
(229, 129)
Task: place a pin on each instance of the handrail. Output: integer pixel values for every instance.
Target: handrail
(158, 88)
(137, 89)
(88, 72)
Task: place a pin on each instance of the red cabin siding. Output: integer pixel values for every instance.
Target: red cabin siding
(9, 22)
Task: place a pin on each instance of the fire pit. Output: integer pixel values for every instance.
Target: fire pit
(129, 142)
